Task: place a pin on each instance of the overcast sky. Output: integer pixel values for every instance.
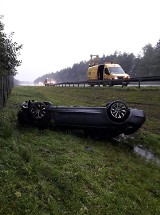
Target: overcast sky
(58, 33)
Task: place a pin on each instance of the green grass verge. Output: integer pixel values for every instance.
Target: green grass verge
(49, 172)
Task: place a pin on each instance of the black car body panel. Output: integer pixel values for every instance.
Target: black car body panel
(114, 118)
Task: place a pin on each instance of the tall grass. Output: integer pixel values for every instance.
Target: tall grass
(51, 172)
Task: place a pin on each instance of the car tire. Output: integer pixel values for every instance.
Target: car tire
(39, 115)
(37, 110)
(117, 111)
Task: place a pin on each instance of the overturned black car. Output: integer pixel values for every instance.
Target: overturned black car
(113, 119)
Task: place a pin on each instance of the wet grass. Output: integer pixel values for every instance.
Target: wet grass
(49, 172)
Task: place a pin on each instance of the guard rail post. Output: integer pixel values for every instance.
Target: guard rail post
(122, 84)
(139, 83)
(99, 83)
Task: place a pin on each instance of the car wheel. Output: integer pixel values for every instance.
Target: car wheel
(117, 111)
(37, 110)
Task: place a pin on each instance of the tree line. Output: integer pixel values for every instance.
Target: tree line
(9, 52)
(145, 64)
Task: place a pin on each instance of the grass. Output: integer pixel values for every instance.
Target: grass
(48, 172)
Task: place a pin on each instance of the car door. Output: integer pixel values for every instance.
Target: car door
(69, 116)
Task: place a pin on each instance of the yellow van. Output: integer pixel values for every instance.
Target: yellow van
(106, 71)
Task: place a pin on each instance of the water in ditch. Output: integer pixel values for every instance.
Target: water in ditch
(138, 149)
(148, 155)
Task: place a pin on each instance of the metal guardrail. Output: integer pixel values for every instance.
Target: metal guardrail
(138, 80)
(6, 84)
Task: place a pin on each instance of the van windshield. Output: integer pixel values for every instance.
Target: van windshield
(116, 70)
